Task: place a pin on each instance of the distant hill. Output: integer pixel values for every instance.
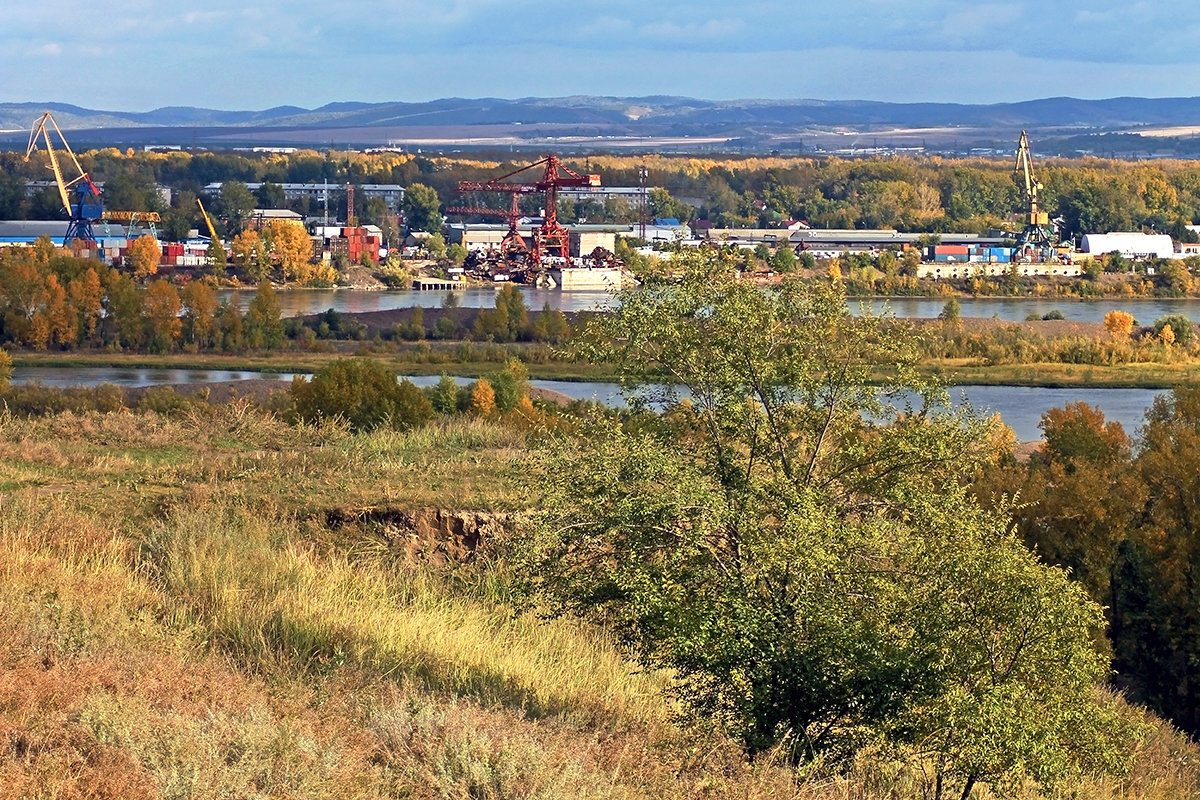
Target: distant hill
(494, 121)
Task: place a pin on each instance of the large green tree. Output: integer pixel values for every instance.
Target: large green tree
(422, 209)
(792, 541)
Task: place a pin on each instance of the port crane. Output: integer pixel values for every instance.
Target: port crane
(1036, 234)
(87, 207)
(550, 238)
(512, 247)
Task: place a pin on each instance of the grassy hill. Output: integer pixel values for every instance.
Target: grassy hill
(219, 604)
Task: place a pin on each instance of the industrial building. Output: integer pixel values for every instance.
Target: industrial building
(26, 232)
(831, 242)
(584, 238)
(1130, 245)
(391, 193)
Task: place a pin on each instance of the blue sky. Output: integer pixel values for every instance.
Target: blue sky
(138, 55)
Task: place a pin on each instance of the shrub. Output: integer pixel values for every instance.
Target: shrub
(362, 392)
(1182, 328)
(510, 384)
(951, 312)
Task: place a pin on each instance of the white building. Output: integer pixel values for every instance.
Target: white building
(1130, 245)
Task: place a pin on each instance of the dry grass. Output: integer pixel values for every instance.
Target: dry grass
(176, 622)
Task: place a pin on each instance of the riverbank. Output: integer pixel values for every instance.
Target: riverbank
(953, 372)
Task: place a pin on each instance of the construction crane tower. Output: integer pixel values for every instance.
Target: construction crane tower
(86, 207)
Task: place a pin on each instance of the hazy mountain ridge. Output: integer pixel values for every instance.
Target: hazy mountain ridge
(635, 111)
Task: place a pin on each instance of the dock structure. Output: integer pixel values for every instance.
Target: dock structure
(435, 285)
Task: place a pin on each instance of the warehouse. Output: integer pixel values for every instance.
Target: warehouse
(1130, 245)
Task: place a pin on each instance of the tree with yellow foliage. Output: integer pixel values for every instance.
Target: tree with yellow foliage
(291, 244)
(483, 399)
(144, 255)
(200, 312)
(161, 309)
(87, 298)
(251, 255)
(1119, 324)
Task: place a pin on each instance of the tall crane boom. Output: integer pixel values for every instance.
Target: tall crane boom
(88, 208)
(212, 231)
(1036, 233)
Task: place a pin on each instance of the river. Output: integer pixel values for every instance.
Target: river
(1021, 407)
(297, 302)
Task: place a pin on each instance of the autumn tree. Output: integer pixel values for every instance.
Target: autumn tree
(1078, 495)
(293, 247)
(144, 255)
(482, 401)
(264, 323)
(1119, 324)
(87, 298)
(199, 313)
(1182, 329)
(161, 308)
(251, 255)
(56, 315)
(124, 311)
(1156, 628)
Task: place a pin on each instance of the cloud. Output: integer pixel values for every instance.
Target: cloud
(710, 29)
(230, 54)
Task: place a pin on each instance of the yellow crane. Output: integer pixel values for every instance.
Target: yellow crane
(212, 231)
(88, 207)
(1037, 233)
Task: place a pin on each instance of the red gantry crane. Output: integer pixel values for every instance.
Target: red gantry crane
(550, 238)
(512, 247)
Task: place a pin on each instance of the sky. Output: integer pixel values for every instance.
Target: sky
(139, 55)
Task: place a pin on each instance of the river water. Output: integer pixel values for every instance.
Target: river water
(1020, 407)
(297, 302)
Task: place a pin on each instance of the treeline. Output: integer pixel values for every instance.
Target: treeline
(1123, 516)
(910, 194)
(51, 299)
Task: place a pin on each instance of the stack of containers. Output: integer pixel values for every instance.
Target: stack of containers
(949, 252)
(356, 242)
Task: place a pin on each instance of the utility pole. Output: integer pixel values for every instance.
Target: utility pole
(642, 193)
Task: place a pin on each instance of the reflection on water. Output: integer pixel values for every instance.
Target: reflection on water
(298, 302)
(124, 376)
